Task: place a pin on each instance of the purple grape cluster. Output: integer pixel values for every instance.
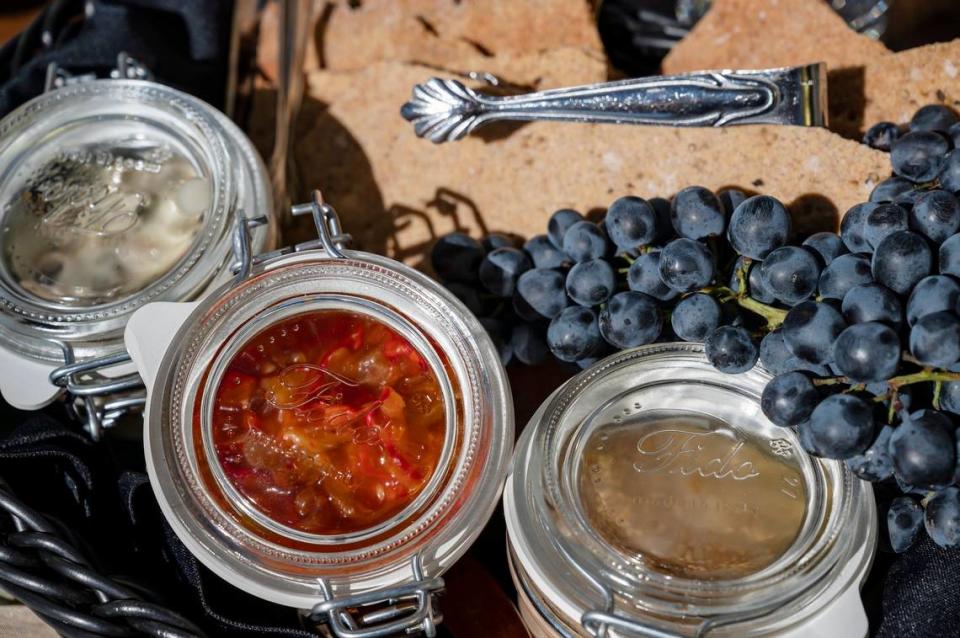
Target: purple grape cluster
(860, 329)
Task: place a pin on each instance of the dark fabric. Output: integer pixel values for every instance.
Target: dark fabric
(921, 593)
(99, 496)
(185, 45)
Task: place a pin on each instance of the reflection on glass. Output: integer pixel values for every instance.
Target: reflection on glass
(100, 222)
(690, 495)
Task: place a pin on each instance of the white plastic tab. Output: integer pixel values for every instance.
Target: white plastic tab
(149, 333)
(25, 383)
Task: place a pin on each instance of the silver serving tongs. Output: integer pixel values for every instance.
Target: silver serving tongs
(447, 110)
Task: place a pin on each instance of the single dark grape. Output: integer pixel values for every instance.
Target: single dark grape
(875, 463)
(543, 290)
(585, 241)
(935, 339)
(590, 283)
(631, 222)
(942, 517)
(644, 276)
(883, 220)
(574, 334)
(696, 213)
(872, 302)
(932, 294)
(497, 240)
(826, 244)
(730, 349)
(933, 117)
(774, 354)
(844, 273)
(841, 426)
(936, 215)
(950, 173)
(919, 155)
(695, 317)
(630, 319)
(888, 190)
(809, 330)
(789, 398)
(867, 352)
(805, 437)
(881, 135)
(457, 257)
(686, 264)
(528, 344)
(559, 223)
(851, 228)
(501, 268)
(904, 522)
(950, 397)
(500, 335)
(949, 256)
(901, 260)
(791, 273)
(923, 450)
(543, 253)
(759, 225)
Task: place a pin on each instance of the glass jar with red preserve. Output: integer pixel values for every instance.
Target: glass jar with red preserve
(330, 431)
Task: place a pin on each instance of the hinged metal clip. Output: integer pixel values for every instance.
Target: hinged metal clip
(404, 609)
(127, 68)
(97, 401)
(330, 237)
(597, 623)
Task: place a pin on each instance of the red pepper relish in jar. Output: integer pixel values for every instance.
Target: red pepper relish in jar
(328, 422)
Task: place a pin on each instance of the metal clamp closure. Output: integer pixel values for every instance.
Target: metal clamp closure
(330, 237)
(597, 623)
(97, 401)
(127, 68)
(404, 609)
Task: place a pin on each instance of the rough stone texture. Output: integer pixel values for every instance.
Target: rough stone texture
(867, 83)
(397, 193)
(352, 34)
(753, 34)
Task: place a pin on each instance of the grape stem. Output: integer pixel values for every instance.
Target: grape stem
(774, 316)
(895, 383)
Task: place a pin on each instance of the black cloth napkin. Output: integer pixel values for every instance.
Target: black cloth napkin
(184, 44)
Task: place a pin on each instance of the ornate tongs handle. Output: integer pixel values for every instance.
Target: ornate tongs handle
(446, 110)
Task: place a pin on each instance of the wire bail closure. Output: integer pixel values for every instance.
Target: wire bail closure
(97, 401)
(330, 237)
(404, 609)
(127, 68)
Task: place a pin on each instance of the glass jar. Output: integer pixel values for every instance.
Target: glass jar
(188, 354)
(113, 193)
(650, 496)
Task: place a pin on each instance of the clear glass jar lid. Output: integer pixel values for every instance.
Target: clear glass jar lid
(113, 193)
(651, 489)
(239, 528)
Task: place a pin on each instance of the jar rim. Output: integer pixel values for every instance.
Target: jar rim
(304, 306)
(544, 519)
(440, 531)
(27, 321)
